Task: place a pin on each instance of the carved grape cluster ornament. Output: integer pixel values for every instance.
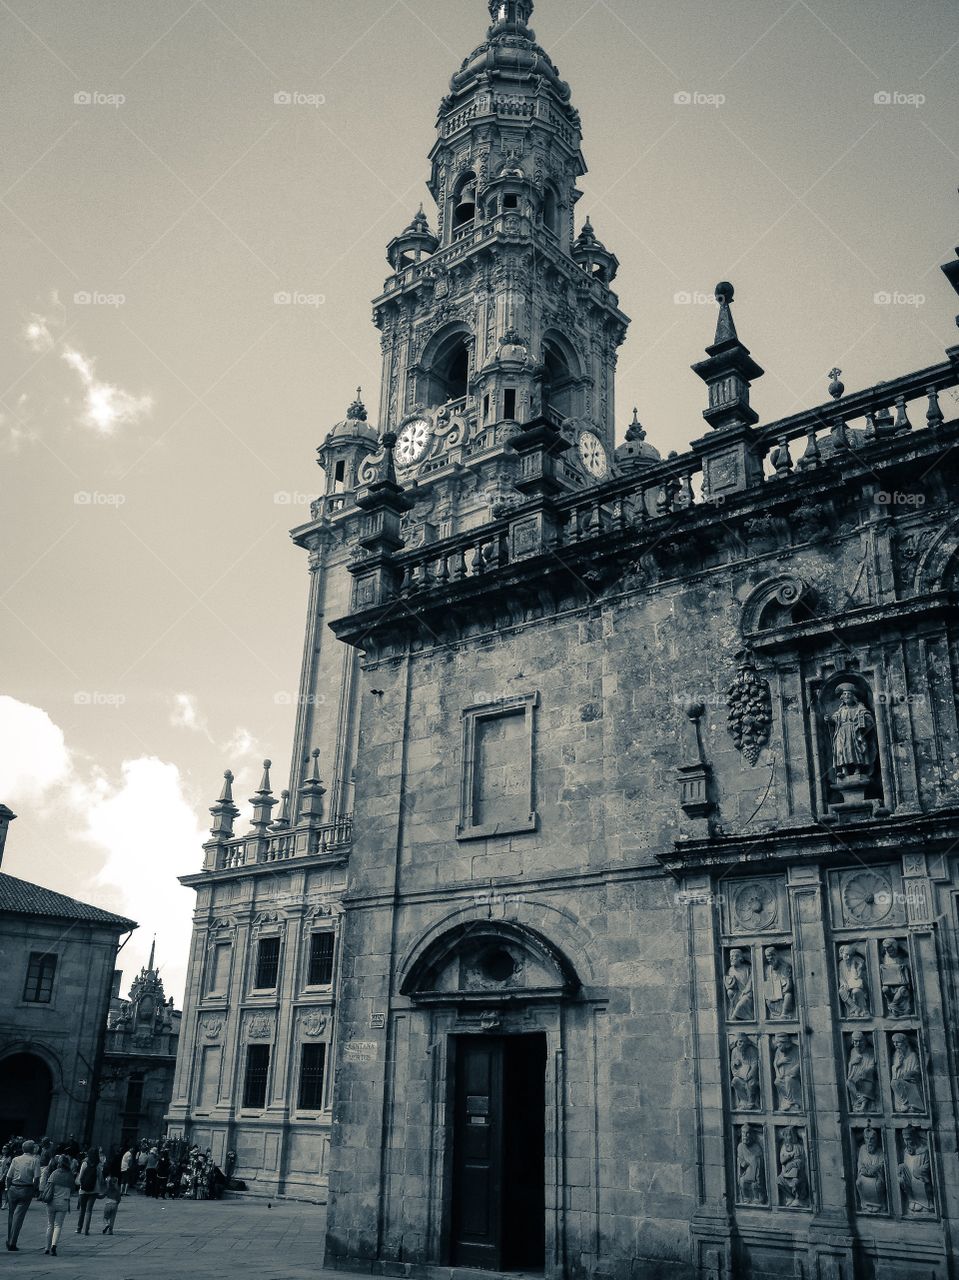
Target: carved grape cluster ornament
(750, 710)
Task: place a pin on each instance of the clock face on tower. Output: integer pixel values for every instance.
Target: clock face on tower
(592, 451)
(412, 442)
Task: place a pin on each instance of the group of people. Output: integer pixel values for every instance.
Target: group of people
(55, 1176)
(30, 1171)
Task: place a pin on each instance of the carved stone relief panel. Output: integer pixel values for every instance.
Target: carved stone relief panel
(259, 1026)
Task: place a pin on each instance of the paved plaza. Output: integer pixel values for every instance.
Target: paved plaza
(207, 1240)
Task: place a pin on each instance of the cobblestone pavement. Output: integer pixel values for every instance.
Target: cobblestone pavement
(239, 1239)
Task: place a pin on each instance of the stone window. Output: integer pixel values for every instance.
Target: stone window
(312, 1071)
(257, 1070)
(38, 988)
(267, 964)
(497, 781)
(320, 973)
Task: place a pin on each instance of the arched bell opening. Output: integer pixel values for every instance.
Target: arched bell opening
(446, 368)
(464, 204)
(561, 380)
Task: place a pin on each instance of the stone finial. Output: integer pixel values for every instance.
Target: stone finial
(635, 430)
(513, 12)
(836, 388)
(224, 811)
(311, 794)
(357, 410)
(263, 801)
(282, 819)
(725, 325)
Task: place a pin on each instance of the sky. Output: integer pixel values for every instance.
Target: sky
(168, 167)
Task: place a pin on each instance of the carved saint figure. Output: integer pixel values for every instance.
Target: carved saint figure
(780, 1001)
(739, 987)
(853, 984)
(744, 1073)
(750, 1167)
(871, 1174)
(906, 1076)
(915, 1172)
(786, 1073)
(896, 979)
(861, 1074)
(792, 1170)
(853, 741)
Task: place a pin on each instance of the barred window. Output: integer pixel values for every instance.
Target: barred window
(312, 1068)
(267, 963)
(38, 988)
(257, 1070)
(321, 959)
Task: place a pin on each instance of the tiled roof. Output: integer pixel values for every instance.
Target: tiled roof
(20, 897)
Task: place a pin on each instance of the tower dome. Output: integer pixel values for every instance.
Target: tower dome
(636, 452)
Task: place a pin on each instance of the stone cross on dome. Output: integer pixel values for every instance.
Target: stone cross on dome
(511, 12)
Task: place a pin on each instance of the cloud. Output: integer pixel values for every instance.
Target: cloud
(186, 714)
(34, 758)
(105, 407)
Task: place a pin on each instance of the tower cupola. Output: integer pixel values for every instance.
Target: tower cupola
(413, 244)
(344, 449)
(593, 256)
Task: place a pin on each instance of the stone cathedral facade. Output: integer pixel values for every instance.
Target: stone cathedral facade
(608, 926)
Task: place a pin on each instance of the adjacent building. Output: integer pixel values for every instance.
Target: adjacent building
(58, 957)
(621, 939)
(139, 1060)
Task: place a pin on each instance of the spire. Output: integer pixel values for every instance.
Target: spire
(357, 410)
(282, 819)
(153, 947)
(263, 802)
(224, 811)
(635, 430)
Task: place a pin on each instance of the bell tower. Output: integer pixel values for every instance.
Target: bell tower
(501, 314)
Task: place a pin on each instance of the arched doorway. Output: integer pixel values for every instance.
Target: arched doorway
(492, 990)
(26, 1088)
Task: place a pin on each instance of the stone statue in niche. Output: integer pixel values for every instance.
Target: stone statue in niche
(862, 1079)
(871, 1174)
(853, 983)
(787, 1079)
(739, 987)
(853, 729)
(778, 988)
(792, 1171)
(744, 1073)
(906, 1073)
(750, 1167)
(915, 1172)
(896, 979)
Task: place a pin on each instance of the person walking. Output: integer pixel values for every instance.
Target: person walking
(111, 1204)
(6, 1155)
(127, 1171)
(23, 1179)
(88, 1180)
(56, 1192)
(153, 1160)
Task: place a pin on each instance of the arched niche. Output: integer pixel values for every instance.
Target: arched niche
(938, 566)
(26, 1092)
(869, 788)
(776, 602)
(488, 961)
